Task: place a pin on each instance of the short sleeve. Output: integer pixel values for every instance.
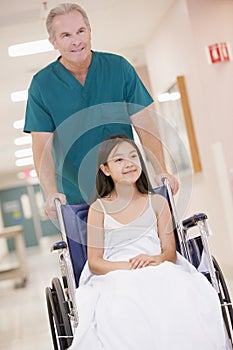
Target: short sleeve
(37, 116)
(135, 92)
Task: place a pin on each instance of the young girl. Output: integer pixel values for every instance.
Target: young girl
(136, 292)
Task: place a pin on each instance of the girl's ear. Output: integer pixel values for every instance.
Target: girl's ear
(104, 169)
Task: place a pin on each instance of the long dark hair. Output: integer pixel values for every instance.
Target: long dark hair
(105, 184)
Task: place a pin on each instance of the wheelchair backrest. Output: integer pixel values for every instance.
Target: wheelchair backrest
(75, 222)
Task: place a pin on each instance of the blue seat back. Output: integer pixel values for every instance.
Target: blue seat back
(75, 222)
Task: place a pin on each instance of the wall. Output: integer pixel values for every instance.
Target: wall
(3, 243)
(178, 48)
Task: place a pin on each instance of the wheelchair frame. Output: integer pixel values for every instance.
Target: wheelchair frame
(60, 297)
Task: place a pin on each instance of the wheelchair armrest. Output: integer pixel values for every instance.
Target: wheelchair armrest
(59, 245)
(193, 220)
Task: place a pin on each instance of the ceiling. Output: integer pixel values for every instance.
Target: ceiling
(120, 26)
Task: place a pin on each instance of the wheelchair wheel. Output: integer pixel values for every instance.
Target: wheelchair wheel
(225, 300)
(58, 311)
(52, 315)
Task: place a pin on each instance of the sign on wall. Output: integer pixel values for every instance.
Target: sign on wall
(219, 52)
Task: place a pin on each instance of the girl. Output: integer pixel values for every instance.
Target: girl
(136, 292)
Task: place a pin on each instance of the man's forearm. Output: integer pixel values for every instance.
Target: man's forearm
(46, 174)
(44, 162)
(145, 125)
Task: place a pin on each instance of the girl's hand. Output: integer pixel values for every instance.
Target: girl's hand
(143, 260)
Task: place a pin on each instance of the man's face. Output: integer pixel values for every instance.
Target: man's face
(72, 37)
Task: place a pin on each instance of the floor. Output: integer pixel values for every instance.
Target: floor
(23, 312)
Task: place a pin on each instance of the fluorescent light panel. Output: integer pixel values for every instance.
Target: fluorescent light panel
(24, 161)
(19, 96)
(24, 140)
(21, 153)
(18, 124)
(173, 96)
(30, 48)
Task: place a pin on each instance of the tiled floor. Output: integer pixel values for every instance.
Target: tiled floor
(23, 312)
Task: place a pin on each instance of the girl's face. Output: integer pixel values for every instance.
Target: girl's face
(123, 164)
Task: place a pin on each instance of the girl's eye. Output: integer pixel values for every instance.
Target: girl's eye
(118, 159)
(134, 156)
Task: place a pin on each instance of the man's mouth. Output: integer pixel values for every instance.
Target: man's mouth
(78, 50)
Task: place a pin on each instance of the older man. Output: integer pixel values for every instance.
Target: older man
(78, 101)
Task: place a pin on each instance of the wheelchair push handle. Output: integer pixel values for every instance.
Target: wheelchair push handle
(58, 205)
(166, 183)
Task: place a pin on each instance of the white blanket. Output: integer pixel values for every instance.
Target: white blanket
(165, 307)
(154, 308)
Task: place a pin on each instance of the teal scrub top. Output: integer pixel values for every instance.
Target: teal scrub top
(81, 117)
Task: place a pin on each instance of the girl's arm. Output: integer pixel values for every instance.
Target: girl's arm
(165, 229)
(166, 236)
(95, 244)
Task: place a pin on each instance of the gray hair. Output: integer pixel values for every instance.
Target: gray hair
(63, 9)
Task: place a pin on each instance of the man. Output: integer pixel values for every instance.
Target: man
(78, 101)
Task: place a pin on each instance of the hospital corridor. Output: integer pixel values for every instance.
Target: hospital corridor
(159, 72)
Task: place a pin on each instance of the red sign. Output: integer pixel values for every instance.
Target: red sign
(224, 52)
(219, 52)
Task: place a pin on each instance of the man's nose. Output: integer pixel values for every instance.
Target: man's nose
(76, 40)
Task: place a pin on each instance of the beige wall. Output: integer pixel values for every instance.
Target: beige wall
(178, 48)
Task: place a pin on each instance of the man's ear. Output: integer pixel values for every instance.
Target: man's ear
(53, 42)
(104, 169)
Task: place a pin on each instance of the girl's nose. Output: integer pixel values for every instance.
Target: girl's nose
(128, 162)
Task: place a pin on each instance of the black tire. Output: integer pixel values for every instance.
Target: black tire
(51, 314)
(225, 300)
(62, 320)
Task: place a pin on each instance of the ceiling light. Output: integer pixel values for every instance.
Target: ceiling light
(26, 152)
(30, 48)
(172, 96)
(33, 173)
(27, 174)
(19, 96)
(24, 161)
(18, 124)
(164, 97)
(24, 140)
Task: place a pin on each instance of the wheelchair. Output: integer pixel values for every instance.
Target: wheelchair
(60, 296)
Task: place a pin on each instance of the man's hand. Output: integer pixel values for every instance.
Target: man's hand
(172, 181)
(50, 207)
